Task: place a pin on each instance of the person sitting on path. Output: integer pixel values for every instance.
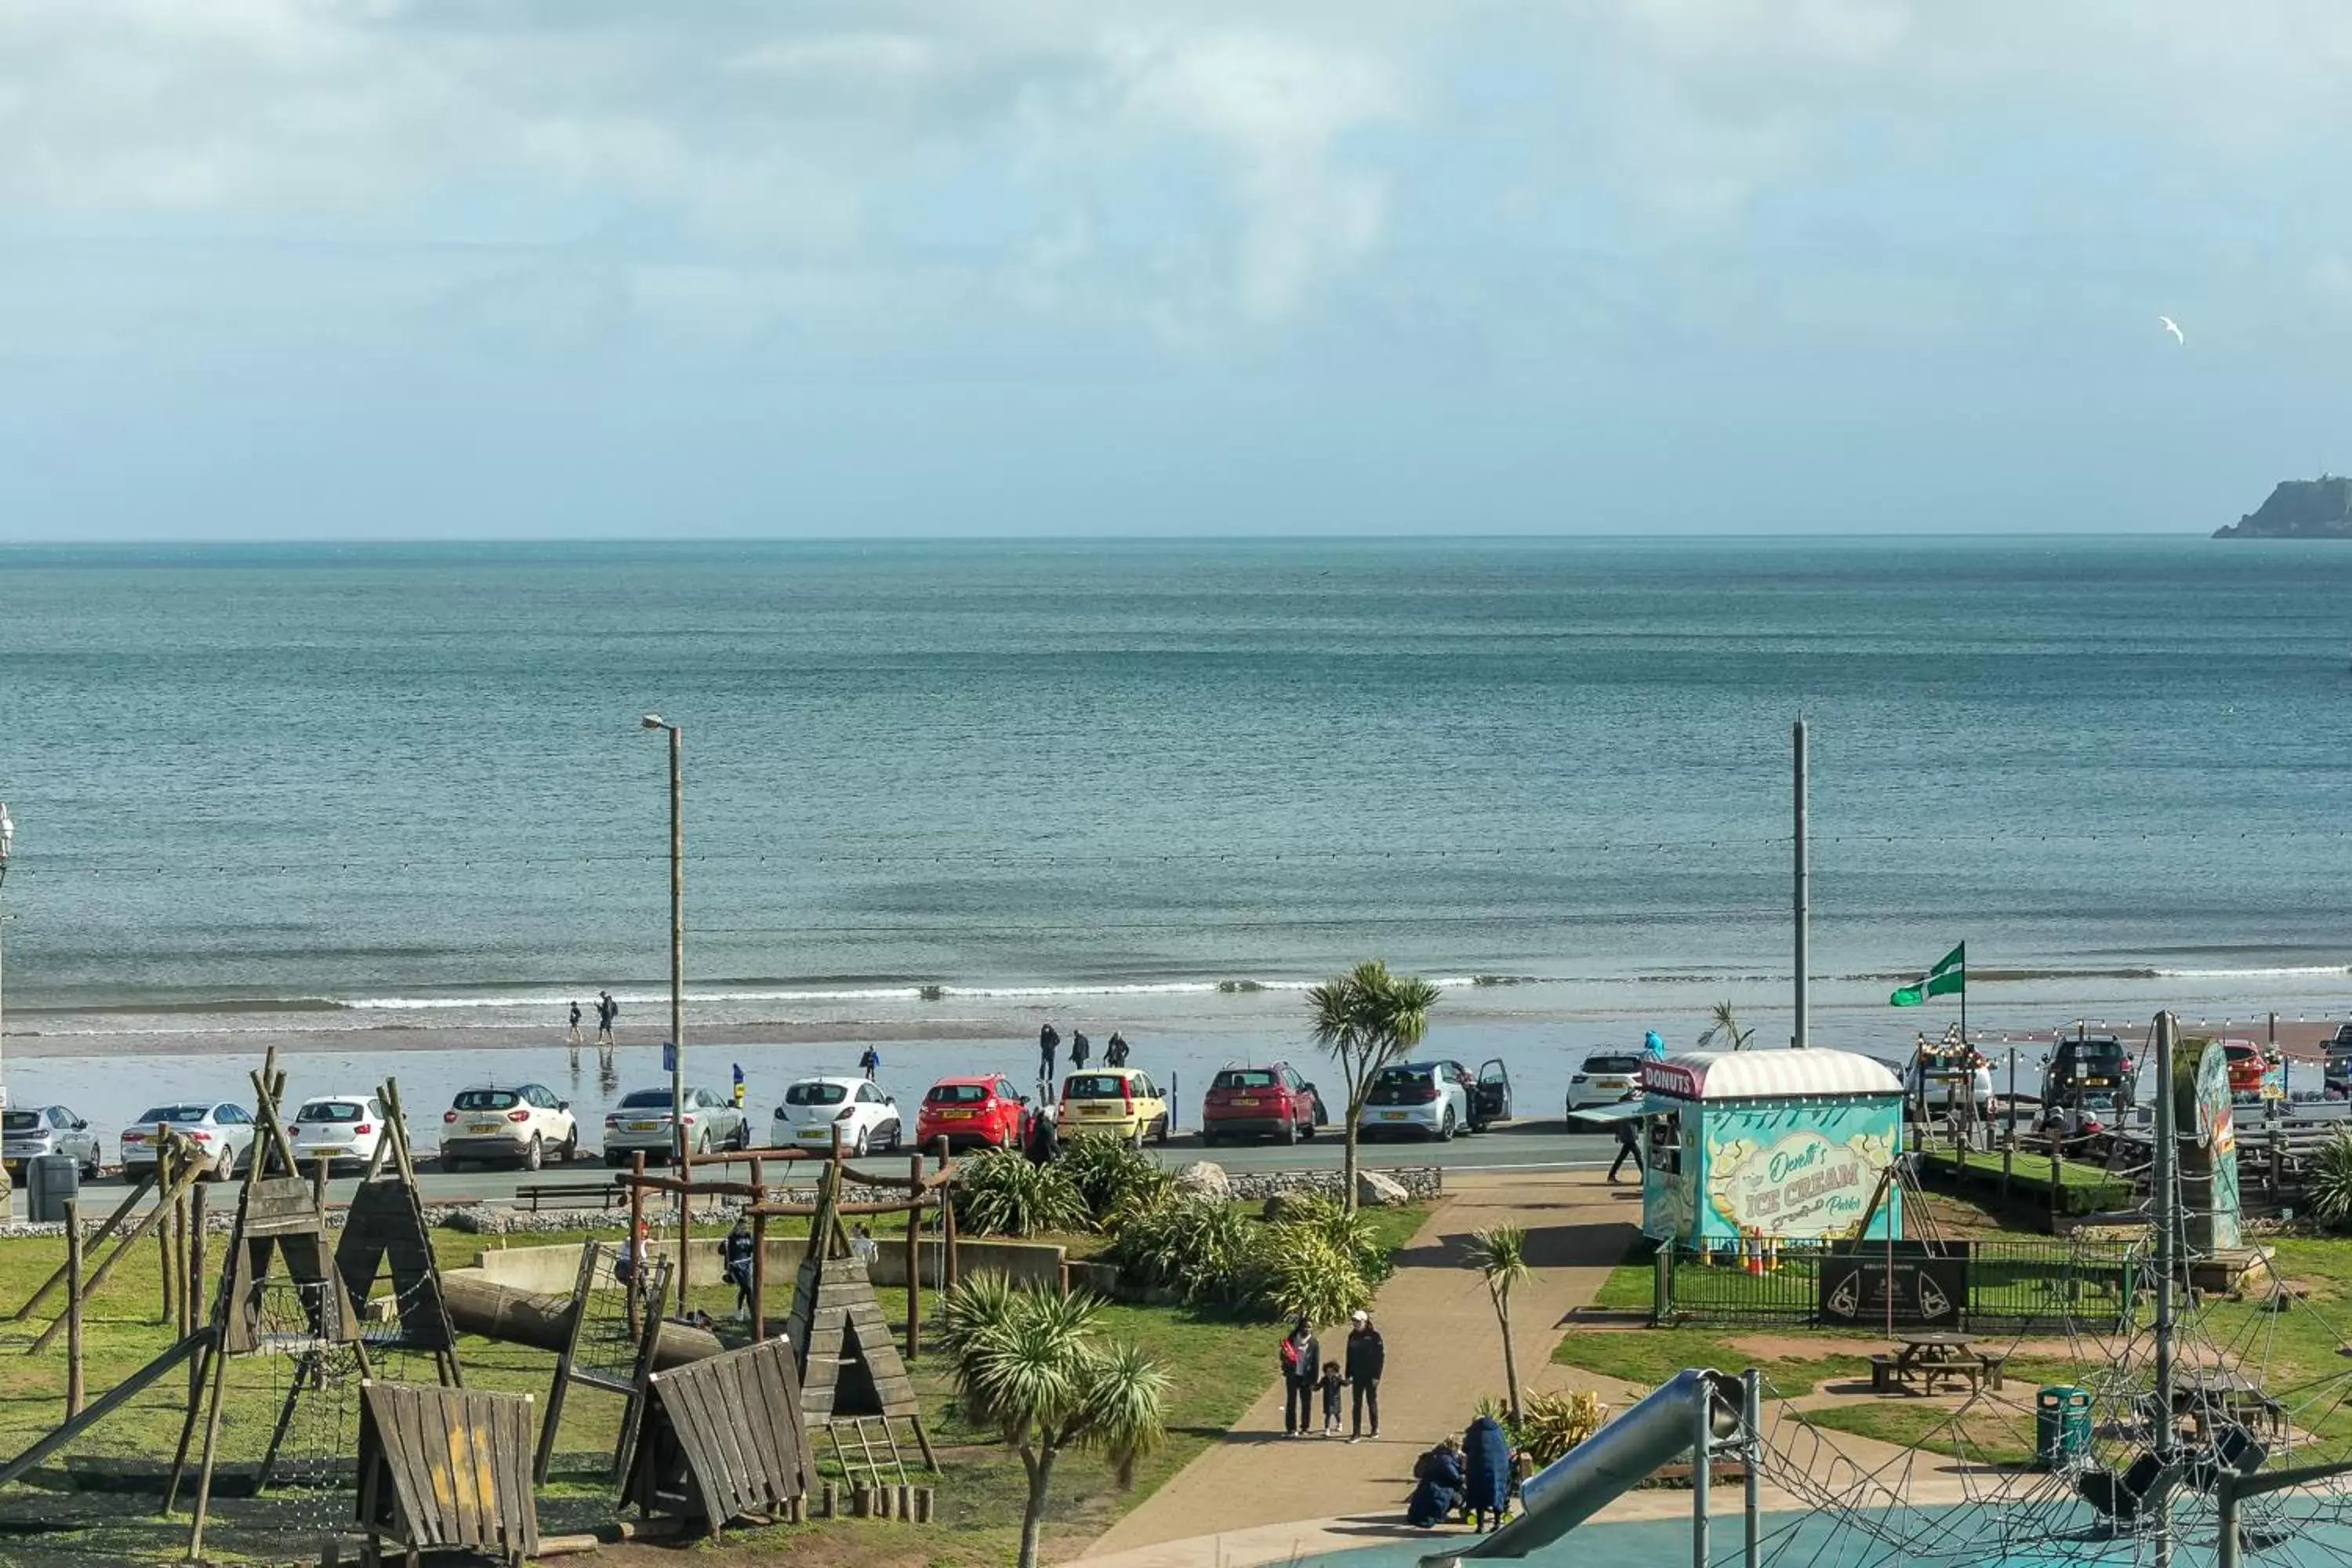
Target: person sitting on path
(1080, 1050)
(1629, 1146)
(1115, 1052)
(871, 1062)
(1437, 1489)
(735, 1265)
(1485, 1473)
(1331, 1383)
(1049, 1041)
(1302, 1368)
(1368, 1357)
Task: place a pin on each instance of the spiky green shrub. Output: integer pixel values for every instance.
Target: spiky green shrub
(1301, 1273)
(1352, 1233)
(1000, 1193)
(1111, 1178)
(1549, 1424)
(2327, 1180)
(1201, 1249)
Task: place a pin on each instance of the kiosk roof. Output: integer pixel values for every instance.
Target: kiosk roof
(1772, 1074)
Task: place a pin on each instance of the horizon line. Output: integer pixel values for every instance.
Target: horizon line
(1646, 537)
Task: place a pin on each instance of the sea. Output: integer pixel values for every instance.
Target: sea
(367, 798)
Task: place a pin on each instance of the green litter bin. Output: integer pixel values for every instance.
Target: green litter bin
(2062, 1426)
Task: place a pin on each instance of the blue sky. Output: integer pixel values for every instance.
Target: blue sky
(401, 268)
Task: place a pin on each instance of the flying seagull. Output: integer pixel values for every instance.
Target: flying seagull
(2169, 325)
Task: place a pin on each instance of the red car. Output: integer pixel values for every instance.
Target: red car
(1250, 1103)
(982, 1110)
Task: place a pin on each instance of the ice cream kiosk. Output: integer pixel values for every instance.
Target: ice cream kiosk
(1744, 1149)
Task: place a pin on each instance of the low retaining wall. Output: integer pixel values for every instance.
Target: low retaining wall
(1421, 1183)
(551, 1269)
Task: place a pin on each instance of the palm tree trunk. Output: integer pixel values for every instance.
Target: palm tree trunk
(1347, 1159)
(1510, 1356)
(1040, 1466)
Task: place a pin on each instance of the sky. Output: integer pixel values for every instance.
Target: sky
(457, 269)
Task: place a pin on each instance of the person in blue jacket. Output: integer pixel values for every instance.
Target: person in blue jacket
(1485, 1473)
(1437, 1491)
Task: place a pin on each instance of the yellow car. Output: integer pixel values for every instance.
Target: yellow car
(1116, 1102)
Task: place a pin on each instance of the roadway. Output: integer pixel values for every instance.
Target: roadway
(1517, 1145)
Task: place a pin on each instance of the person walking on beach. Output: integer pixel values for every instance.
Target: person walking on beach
(871, 1062)
(1080, 1050)
(1302, 1368)
(1629, 1146)
(1115, 1053)
(1368, 1357)
(1049, 1041)
(572, 1036)
(606, 1011)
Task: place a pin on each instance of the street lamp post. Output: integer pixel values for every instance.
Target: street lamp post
(677, 988)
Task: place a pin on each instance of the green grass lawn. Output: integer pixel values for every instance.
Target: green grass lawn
(1217, 1364)
(2300, 1355)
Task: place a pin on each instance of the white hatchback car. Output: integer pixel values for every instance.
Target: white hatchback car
(342, 1127)
(523, 1125)
(813, 1107)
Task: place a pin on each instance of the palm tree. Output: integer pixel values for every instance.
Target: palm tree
(1367, 1018)
(1724, 1025)
(1501, 1255)
(1029, 1363)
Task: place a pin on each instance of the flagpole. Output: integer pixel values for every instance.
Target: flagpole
(1800, 890)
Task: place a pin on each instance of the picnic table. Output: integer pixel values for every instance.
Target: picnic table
(2211, 1397)
(1931, 1356)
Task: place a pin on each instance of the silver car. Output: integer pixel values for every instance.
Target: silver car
(642, 1121)
(48, 1130)
(223, 1132)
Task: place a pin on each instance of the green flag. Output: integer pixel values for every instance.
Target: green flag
(1950, 976)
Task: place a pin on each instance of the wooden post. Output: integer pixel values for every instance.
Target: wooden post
(829, 1501)
(639, 1262)
(759, 1249)
(73, 1308)
(2057, 1175)
(685, 1213)
(167, 1221)
(199, 1309)
(914, 1255)
(947, 1221)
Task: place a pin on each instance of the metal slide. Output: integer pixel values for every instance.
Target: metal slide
(1613, 1460)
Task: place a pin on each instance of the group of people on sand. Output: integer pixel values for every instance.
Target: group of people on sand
(1049, 1045)
(1306, 1375)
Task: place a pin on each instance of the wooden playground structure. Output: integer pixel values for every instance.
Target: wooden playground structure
(707, 1436)
(852, 1376)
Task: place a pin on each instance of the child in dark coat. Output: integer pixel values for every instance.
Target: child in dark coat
(1331, 1385)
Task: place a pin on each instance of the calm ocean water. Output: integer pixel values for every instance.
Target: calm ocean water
(380, 786)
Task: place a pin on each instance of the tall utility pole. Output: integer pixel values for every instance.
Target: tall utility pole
(677, 985)
(2168, 1260)
(1802, 893)
(7, 842)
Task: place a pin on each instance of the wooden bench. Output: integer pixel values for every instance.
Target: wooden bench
(606, 1194)
(1883, 1378)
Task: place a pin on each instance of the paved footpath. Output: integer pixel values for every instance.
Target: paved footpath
(1443, 1353)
